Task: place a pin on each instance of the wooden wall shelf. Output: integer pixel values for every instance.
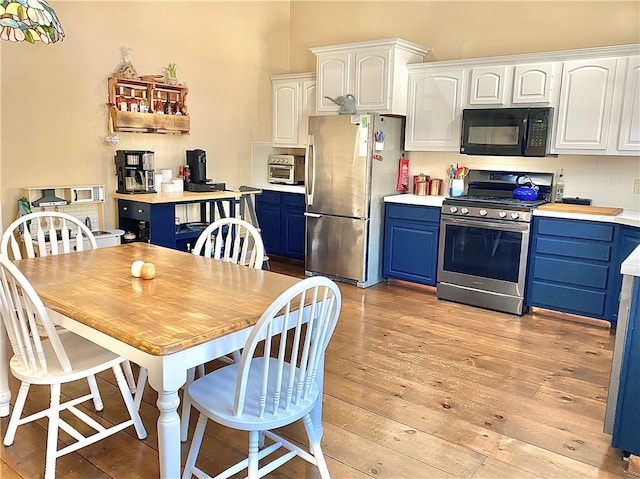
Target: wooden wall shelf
(155, 120)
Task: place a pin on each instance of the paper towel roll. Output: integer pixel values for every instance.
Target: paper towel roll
(166, 175)
(167, 187)
(178, 184)
(157, 181)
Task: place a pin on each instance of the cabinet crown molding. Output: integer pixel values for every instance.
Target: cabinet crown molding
(560, 55)
(398, 42)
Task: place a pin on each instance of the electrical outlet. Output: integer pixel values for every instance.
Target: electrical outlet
(636, 187)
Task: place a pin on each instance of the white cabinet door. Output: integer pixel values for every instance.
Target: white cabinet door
(334, 77)
(584, 110)
(533, 83)
(629, 138)
(293, 102)
(371, 88)
(435, 110)
(488, 85)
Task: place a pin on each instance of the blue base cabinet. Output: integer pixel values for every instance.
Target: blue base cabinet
(629, 239)
(571, 267)
(282, 221)
(411, 243)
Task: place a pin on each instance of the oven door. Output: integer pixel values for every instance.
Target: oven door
(483, 254)
(500, 132)
(281, 174)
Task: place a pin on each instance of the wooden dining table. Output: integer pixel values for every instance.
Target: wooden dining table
(195, 310)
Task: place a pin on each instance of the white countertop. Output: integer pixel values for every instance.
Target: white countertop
(409, 199)
(283, 188)
(631, 265)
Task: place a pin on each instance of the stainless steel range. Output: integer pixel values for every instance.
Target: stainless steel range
(484, 240)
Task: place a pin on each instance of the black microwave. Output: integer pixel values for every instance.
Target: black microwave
(506, 131)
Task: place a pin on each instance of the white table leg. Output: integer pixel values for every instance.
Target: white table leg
(169, 434)
(5, 393)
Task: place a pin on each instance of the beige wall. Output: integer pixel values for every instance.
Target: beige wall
(53, 113)
(54, 117)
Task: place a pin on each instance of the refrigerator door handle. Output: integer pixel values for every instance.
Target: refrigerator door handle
(312, 215)
(310, 169)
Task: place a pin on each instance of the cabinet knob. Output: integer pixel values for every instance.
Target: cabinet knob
(141, 211)
(125, 208)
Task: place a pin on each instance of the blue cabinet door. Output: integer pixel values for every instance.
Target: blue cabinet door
(629, 239)
(282, 221)
(411, 243)
(269, 219)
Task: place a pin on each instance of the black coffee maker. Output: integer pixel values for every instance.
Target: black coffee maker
(197, 180)
(135, 171)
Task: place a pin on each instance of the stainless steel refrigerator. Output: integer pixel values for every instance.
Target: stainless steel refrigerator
(351, 164)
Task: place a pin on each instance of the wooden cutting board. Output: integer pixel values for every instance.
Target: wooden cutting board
(581, 209)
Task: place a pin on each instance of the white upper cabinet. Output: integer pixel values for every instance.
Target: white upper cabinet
(488, 85)
(534, 84)
(294, 98)
(374, 72)
(435, 108)
(629, 138)
(584, 110)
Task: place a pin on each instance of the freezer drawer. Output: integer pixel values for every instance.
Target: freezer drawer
(336, 246)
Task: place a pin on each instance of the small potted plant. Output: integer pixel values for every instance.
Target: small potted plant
(172, 75)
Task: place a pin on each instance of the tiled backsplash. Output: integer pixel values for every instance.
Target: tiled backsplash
(607, 180)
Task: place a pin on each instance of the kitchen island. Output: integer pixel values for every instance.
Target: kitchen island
(152, 217)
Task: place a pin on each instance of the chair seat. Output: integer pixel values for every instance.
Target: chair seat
(210, 395)
(87, 358)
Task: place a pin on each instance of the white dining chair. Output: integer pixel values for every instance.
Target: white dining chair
(233, 240)
(52, 361)
(276, 387)
(48, 233)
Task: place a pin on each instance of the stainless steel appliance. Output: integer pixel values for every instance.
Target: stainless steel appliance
(506, 131)
(286, 169)
(135, 171)
(351, 164)
(484, 240)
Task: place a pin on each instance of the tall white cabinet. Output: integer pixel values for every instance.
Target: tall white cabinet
(293, 100)
(375, 72)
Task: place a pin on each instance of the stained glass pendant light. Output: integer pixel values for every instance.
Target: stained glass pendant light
(29, 20)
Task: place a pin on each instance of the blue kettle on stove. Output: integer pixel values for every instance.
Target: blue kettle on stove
(527, 190)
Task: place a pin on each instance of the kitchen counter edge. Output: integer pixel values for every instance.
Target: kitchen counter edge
(284, 188)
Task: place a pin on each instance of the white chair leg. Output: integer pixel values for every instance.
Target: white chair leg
(314, 446)
(196, 442)
(52, 433)
(128, 373)
(95, 393)
(186, 405)
(17, 413)
(128, 401)
(254, 439)
(142, 382)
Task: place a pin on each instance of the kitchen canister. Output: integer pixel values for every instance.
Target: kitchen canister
(178, 184)
(157, 182)
(435, 187)
(167, 187)
(166, 175)
(420, 184)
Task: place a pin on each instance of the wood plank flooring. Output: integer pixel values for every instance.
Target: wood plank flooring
(414, 388)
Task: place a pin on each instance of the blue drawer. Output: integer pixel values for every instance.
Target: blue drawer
(568, 299)
(578, 229)
(574, 249)
(570, 272)
(411, 212)
(293, 199)
(268, 196)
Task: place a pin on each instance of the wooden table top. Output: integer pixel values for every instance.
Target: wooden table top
(191, 300)
(180, 196)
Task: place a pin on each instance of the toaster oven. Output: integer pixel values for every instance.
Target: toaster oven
(286, 169)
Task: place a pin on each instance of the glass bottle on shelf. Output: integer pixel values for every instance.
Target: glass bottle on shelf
(121, 101)
(134, 104)
(177, 106)
(144, 104)
(158, 105)
(167, 105)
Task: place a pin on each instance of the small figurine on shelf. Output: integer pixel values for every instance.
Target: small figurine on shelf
(172, 74)
(126, 70)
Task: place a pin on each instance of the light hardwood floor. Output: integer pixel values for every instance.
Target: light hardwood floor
(414, 388)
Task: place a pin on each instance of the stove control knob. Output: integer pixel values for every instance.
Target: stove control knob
(502, 214)
(464, 211)
(483, 212)
(515, 215)
(453, 209)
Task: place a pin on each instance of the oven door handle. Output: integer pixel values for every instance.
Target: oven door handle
(487, 224)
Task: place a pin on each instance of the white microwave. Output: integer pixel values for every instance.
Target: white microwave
(286, 169)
